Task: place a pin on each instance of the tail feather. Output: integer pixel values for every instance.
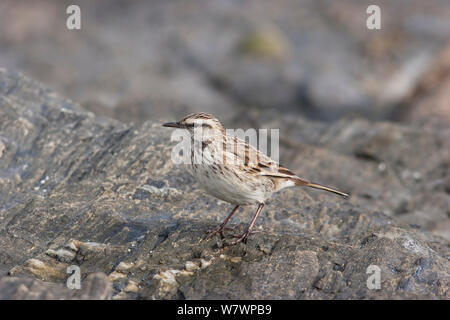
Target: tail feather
(301, 182)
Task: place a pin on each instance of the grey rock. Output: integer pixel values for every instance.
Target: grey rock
(69, 195)
(96, 287)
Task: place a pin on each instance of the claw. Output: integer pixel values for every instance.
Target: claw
(212, 233)
(219, 230)
(222, 226)
(242, 238)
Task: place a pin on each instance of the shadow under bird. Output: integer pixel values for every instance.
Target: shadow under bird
(234, 171)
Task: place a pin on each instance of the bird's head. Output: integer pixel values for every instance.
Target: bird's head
(205, 122)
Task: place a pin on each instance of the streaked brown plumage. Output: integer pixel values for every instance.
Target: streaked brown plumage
(234, 171)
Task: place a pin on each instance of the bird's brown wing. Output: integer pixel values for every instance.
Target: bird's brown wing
(253, 161)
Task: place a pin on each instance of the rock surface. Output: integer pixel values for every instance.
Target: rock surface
(80, 190)
(96, 286)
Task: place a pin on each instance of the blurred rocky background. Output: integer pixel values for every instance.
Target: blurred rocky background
(149, 59)
(367, 111)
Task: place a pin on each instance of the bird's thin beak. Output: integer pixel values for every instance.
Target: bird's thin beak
(172, 125)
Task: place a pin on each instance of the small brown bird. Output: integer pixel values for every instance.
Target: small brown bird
(234, 171)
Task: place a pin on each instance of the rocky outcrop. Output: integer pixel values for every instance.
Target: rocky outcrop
(80, 190)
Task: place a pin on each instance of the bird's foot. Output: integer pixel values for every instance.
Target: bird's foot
(242, 238)
(220, 230)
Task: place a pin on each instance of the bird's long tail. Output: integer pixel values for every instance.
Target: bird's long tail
(300, 182)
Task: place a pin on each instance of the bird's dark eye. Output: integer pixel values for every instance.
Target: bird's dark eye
(203, 125)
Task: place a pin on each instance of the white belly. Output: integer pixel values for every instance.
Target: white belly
(225, 185)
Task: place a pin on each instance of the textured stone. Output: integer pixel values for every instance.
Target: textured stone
(95, 287)
(68, 182)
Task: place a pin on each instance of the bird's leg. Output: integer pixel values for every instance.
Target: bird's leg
(244, 236)
(222, 226)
